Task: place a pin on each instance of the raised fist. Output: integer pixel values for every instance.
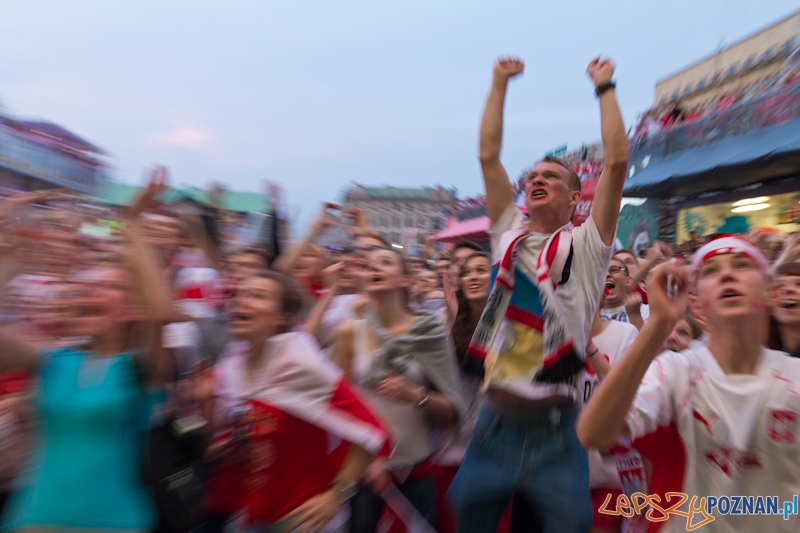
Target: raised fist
(600, 70)
(508, 67)
(668, 293)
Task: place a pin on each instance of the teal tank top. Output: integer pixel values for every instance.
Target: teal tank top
(85, 467)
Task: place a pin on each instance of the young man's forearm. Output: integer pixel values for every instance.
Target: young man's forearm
(495, 178)
(603, 418)
(286, 261)
(616, 149)
(491, 139)
(608, 197)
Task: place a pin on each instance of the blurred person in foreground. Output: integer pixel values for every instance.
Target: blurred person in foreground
(720, 419)
(533, 334)
(290, 439)
(86, 466)
(403, 362)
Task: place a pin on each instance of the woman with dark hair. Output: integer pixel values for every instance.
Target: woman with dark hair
(404, 363)
(467, 305)
(474, 282)
(275, 403)
(785, 316)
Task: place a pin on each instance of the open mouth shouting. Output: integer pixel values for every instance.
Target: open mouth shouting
(239, 318)
(789, 304)
(610, 285)
(375, 279)
(538, 193)
(731, 295)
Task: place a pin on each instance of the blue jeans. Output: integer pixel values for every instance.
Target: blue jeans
(541, 463)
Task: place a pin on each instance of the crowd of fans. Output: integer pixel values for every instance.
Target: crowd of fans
(159, 375)
(661, 118)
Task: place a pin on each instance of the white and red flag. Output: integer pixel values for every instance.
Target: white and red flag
(301, 416)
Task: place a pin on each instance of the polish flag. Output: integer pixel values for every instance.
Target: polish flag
(301, 415)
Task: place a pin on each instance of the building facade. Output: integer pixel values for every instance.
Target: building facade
(42, 155)
(741, 65)
(402, 214)
(735, 167)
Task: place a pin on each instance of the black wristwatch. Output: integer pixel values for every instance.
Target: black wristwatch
(603, 87)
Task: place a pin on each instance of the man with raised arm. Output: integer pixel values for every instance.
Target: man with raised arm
(532, 336)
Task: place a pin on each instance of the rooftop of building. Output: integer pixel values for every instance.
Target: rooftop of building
(735, 44)
(51, 132)
(121, 194)
(388, 192)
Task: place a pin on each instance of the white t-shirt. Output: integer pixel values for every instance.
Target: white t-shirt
(621, 315)
(740, 432)
(522, 340)
(613, 342)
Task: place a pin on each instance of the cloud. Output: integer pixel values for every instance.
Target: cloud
(188, 138)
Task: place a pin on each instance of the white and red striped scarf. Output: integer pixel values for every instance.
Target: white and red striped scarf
(550, 266)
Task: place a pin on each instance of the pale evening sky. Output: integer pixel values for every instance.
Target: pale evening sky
(319, 94)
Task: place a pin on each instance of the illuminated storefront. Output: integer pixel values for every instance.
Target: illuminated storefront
(779, 211)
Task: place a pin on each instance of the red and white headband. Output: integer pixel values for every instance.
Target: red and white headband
(730, 244)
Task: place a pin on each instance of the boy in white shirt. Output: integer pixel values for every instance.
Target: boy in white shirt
(730, 411)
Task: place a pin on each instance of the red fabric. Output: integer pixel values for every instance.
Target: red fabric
(584, 207)
(603, 520)
(552, 249)
(14, 382)
(289, 464)
(641, 290)
(527, 318)
(314, 289)
(346, 399)
(665, 452)
(445, 513)
(290, 460)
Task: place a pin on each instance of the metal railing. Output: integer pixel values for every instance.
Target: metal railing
(772, 108)
(32, 159)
